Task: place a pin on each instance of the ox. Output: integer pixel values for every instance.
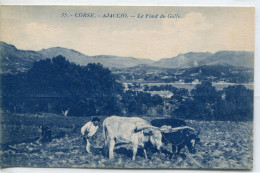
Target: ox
(178, 139)
(133, 130)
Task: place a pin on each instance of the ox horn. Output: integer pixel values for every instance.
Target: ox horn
(194, 132)
(169, 129)
(176, 129)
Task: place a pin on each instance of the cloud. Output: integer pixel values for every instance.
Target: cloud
(141, 38)
(173, 36)
(41, 34)
(194, 22)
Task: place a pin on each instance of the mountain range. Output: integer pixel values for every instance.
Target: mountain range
(14, 60)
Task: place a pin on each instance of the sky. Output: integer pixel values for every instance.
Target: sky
(198, 29)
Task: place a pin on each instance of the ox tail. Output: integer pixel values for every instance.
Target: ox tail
(105, 136)
(105, 133)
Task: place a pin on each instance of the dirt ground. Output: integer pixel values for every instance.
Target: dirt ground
(223, 145)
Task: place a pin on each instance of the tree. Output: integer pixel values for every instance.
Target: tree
(138, 103)
(237, 104)
(58, 84)
(234, 103)
(202, 103)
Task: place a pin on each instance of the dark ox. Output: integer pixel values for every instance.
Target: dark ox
(179, 139)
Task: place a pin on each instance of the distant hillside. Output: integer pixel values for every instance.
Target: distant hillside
(233, 58)
(212, 73)
(14, 60)
(183, 60)
(105, 60)
(70, 54)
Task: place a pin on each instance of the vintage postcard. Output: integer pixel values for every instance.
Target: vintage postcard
(127, 87)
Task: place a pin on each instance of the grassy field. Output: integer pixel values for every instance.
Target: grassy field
(223, 145)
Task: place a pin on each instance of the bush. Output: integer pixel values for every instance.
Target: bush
(234, 103)
(54, 85)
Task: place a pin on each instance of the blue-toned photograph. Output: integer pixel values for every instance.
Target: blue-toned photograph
(127, 87)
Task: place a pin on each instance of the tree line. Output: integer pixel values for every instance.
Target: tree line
(55, 85)
(204, 102)
(234, 103)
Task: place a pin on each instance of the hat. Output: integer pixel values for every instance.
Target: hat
(95, 119)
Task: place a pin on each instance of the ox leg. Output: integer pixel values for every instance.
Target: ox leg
(88, 146)
(174, 152)
(145, 154)
(105, 150)
(134, 151)
(111, 149)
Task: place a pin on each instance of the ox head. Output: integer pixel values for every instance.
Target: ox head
(191, 140)
(154, 134)
(188, 135)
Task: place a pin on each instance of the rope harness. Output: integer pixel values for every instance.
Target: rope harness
(176, 145)
(170, 142)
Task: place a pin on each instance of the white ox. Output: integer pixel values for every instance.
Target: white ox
(132, 130)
